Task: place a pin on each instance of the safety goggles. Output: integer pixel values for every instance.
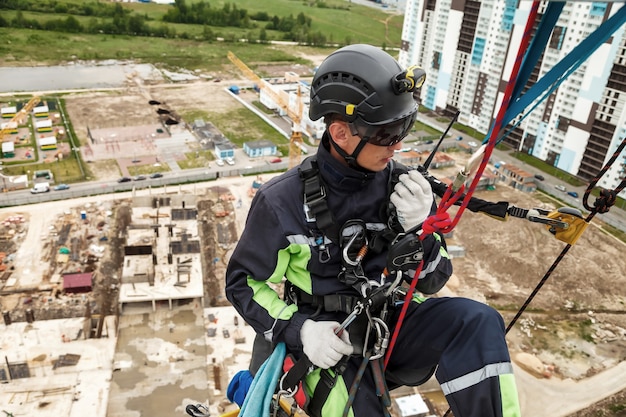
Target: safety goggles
(384, 135)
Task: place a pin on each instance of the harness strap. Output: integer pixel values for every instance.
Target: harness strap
(315, 199)
(322, 390)
(518, 212)
(330, 303)
(293, 377)
(296, 373)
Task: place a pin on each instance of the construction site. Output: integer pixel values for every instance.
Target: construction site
(115, 305)
(92, 270)
(140, 280)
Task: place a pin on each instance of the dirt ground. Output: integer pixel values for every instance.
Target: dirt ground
(123, 126)
(575, 327)
(576, 323)
(94, 113)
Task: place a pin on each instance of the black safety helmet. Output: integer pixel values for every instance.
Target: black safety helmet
(366, 87)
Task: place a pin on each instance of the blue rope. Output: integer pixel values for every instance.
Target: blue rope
(536, 94)
(537, 45)
(571, 62)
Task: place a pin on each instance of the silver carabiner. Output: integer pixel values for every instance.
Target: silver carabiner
(359, 231)
(286, 394)
(351, 317)
(282, 392)
(382, 340)
(346, 258)
(394, 284)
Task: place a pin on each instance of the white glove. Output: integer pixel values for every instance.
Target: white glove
(321, 345)
(412, 198)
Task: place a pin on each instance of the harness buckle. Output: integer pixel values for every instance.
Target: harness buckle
(310, 217)
(311, 199)
(328, 379)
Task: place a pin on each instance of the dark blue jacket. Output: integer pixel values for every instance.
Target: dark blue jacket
(279, 243)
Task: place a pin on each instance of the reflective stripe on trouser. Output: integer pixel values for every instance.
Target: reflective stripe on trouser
(475, 392)
(460, 336)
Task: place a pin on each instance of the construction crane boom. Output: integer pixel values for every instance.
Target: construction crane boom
(18, 116)
(295, 140)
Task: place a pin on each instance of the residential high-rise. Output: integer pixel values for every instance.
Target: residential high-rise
(468, 49)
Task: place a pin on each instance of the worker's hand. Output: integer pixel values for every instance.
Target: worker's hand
(321, 345)
(412, 198)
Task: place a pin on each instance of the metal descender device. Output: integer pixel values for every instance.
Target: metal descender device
(565, 223)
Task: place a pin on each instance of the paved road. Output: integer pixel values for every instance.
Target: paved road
(560, 398)
(377, 6)
(245, 165)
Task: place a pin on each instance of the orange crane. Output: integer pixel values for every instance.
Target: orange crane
(295, 140)
(18, 116)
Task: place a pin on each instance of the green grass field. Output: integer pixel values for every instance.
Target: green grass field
(340, 21)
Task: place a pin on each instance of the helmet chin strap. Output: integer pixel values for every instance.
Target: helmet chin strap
(350, 159)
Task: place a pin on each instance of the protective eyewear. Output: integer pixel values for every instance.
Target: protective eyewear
(384, 135)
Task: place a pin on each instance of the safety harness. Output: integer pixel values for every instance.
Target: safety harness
(315, 204)
(368, 312)
(316, 207)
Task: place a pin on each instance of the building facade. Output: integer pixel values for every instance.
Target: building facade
(468, 49)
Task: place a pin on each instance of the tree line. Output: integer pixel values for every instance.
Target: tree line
(115, 19)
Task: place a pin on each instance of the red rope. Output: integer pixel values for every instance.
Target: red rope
(440, 221)
(506, 100)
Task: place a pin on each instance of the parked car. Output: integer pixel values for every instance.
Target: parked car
(219, 163)
(276, 161)
(61, 187)
(230, 161)
(428, 142)
(125, 179)
(459, 138)
(156, 175)
(40, 188)
(139, 178)
(573, 194)
(560, 188)
(539, 177)
(472, 144)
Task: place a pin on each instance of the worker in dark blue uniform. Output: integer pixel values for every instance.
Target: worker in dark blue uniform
(333, 229)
